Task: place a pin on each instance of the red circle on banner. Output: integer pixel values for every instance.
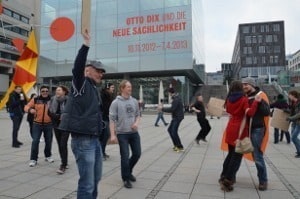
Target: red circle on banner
(62, 29)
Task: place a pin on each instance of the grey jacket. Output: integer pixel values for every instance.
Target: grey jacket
(123, 112)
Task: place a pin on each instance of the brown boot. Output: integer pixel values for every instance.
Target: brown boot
(263, 186)
(226, 185)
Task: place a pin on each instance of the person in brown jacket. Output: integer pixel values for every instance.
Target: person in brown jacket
(41, 124)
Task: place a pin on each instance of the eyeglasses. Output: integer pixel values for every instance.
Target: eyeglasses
(44, 91)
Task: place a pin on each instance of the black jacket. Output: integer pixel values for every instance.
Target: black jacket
(16, 105)
(83, 111)
(176, 108)
(263, 109)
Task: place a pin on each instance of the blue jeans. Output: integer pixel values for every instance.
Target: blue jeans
(127, 163)
(37, 130)
(257, 135)
(173, 132)
(88, 155)
(295, 139)
(160, 115)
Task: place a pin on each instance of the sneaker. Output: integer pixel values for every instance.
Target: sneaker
(197, 141)
(263, 186)
(32, 163)
(127, 184)
(180, 149)
(156, 125)
(175, 148)
(203, 139)
(166, 124)
(49, 159)
(297, 156)
(61, 170)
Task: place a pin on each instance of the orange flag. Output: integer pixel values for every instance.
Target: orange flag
(264, 144)
(25, 69)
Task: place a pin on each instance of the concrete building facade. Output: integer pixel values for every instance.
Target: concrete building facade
(259, 50)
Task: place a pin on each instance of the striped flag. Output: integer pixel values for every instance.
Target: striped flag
(25, 69)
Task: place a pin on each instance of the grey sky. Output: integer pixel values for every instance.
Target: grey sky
(221, 18)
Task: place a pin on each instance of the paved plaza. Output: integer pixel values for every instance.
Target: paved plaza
(161, 173)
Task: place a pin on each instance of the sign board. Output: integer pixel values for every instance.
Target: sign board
(279, 120)
(215, 107)
(86, 16)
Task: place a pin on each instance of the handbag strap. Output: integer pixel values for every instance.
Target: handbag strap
(242, 127)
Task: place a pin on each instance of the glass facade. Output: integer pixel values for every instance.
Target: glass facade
(128, 36)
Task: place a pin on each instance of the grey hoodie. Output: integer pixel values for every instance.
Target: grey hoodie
(123, 112)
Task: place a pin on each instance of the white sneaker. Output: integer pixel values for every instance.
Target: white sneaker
(49, 159)
(32, 163)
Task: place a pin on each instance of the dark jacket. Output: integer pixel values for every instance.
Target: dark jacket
(200, 106)
(83, 110)
(263, 109)
(176, 108)
(16, 105)
(280, 104)
(107, 99)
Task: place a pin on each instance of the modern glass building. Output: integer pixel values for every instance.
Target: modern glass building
(132, 38)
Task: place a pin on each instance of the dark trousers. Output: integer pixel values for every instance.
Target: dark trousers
(231, 164)
(205, 128)
(30, 123)
(282, 133)
(62, 142)
(37, 130)
(173, 132)
(133, 141)
(17, 120)
(104, 137)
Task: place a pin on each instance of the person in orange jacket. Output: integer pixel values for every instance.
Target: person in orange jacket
(41, 124)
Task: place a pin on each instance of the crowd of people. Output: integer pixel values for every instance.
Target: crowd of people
(93, 118)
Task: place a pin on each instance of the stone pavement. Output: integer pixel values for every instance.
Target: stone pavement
(161, 173)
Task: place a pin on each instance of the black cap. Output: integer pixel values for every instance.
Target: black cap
(96, 64)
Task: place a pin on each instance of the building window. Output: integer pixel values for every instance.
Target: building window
(261, 49)
(249, 49)
(275, 59)
(262, 28)
(248, 39)
(269, 38)
(254, 40)
(248, 60)
(25, 19)
(16, 16)
(7, 12)
(276, 27)
(263, 59)
(260, 38)
(254, 60)
(253, 29)
(267, 28)
(245, 50)
(271, 60)
(275, 38)
(245, 29)
(276, 49)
